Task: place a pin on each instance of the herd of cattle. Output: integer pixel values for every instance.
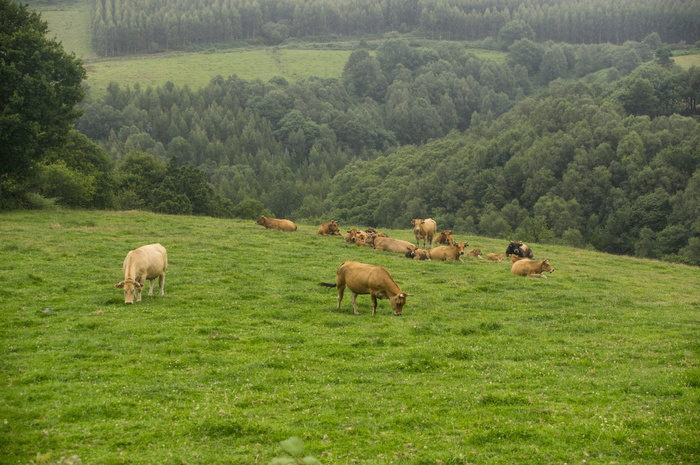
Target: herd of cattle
(151, 261)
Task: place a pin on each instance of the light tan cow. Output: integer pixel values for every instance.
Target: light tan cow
(474, 253)
(145, 263)
(376, 281)
(329, 229)
(445, 238)
(532, 268)
(516, 258)
(277, 223)
(448, 252)
(424, 229)
(496, 257)
(388, 244)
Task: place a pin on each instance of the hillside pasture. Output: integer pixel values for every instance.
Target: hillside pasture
(687, 61)
(596, 364)
(197, 69)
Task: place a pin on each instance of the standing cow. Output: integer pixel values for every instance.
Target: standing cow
(424, 229)
(519, 249)
(376, 281)
(276, 223)
(145, 263)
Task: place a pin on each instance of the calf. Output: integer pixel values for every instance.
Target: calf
(277, 223)
(329, 229)
(376, 281)
(448, 252)
(474, 253)
(145, 263)
(533, 268)
(445, 238)
(418, 254)
(496, 257)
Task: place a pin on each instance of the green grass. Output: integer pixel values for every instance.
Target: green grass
(69, 22)
(598, 363)
(197, 69)
(687, 61)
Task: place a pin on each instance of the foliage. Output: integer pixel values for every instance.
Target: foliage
(598, 363)
(124, 27)
(41, 84)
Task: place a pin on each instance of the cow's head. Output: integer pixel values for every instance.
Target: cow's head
(546, 266)
(460, 246)
(333, 227)
(514, 248)
(130, 287)
(261, 220)
(397, 303)
(410, 253)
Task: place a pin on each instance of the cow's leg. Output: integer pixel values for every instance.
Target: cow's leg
(341, 291)
(150, 287)
(354, 303)
(161, 282)
(374, 304)
(137, 290)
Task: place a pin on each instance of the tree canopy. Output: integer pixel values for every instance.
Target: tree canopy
(41, 85)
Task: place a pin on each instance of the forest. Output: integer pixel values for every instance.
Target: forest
(128, 26)
(586, 143)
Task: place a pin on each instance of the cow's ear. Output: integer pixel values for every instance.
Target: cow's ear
(120, 285)
(138, 284)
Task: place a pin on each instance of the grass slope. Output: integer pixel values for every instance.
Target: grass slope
(598, 364)
(197, 69)
(69, 23)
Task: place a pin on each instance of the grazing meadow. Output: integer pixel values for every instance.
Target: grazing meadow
(597, 364)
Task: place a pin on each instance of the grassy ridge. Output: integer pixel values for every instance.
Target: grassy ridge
(598, 363)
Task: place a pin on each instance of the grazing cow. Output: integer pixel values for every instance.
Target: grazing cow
(145, 263)
(474, 253)
(448, 252)
(376, 281)
(276, 223)
(533, 268)
(519, 249)
(425, 230)
(445, 238)
(496, 257)
(418, 254)
(388, 244)
(329, 229)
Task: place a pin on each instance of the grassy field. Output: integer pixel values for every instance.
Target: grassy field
(197, 69)
(597, 364)
(686, 61)
(69, 23)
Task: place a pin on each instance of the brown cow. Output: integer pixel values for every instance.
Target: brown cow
(496, 257)
(376, 281)
(448, 252)
(514, 258)
(145, 263)
(350, 236)
(445, 238)
(388, 244)
(424, 229)
(329, 229)
(418, 254)
(276, 223)
(474, 253)
(533, 268)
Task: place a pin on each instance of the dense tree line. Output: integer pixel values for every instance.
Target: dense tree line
(130, 26)
(571, 166)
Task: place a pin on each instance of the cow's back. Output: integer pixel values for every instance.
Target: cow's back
(388, 244)
(148, 261)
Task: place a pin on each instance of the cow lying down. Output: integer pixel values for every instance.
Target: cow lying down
(361, 278)
(533, 268)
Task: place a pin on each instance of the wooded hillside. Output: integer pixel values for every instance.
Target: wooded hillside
(130, 26)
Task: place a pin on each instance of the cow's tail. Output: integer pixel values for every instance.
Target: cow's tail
(327, 284)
